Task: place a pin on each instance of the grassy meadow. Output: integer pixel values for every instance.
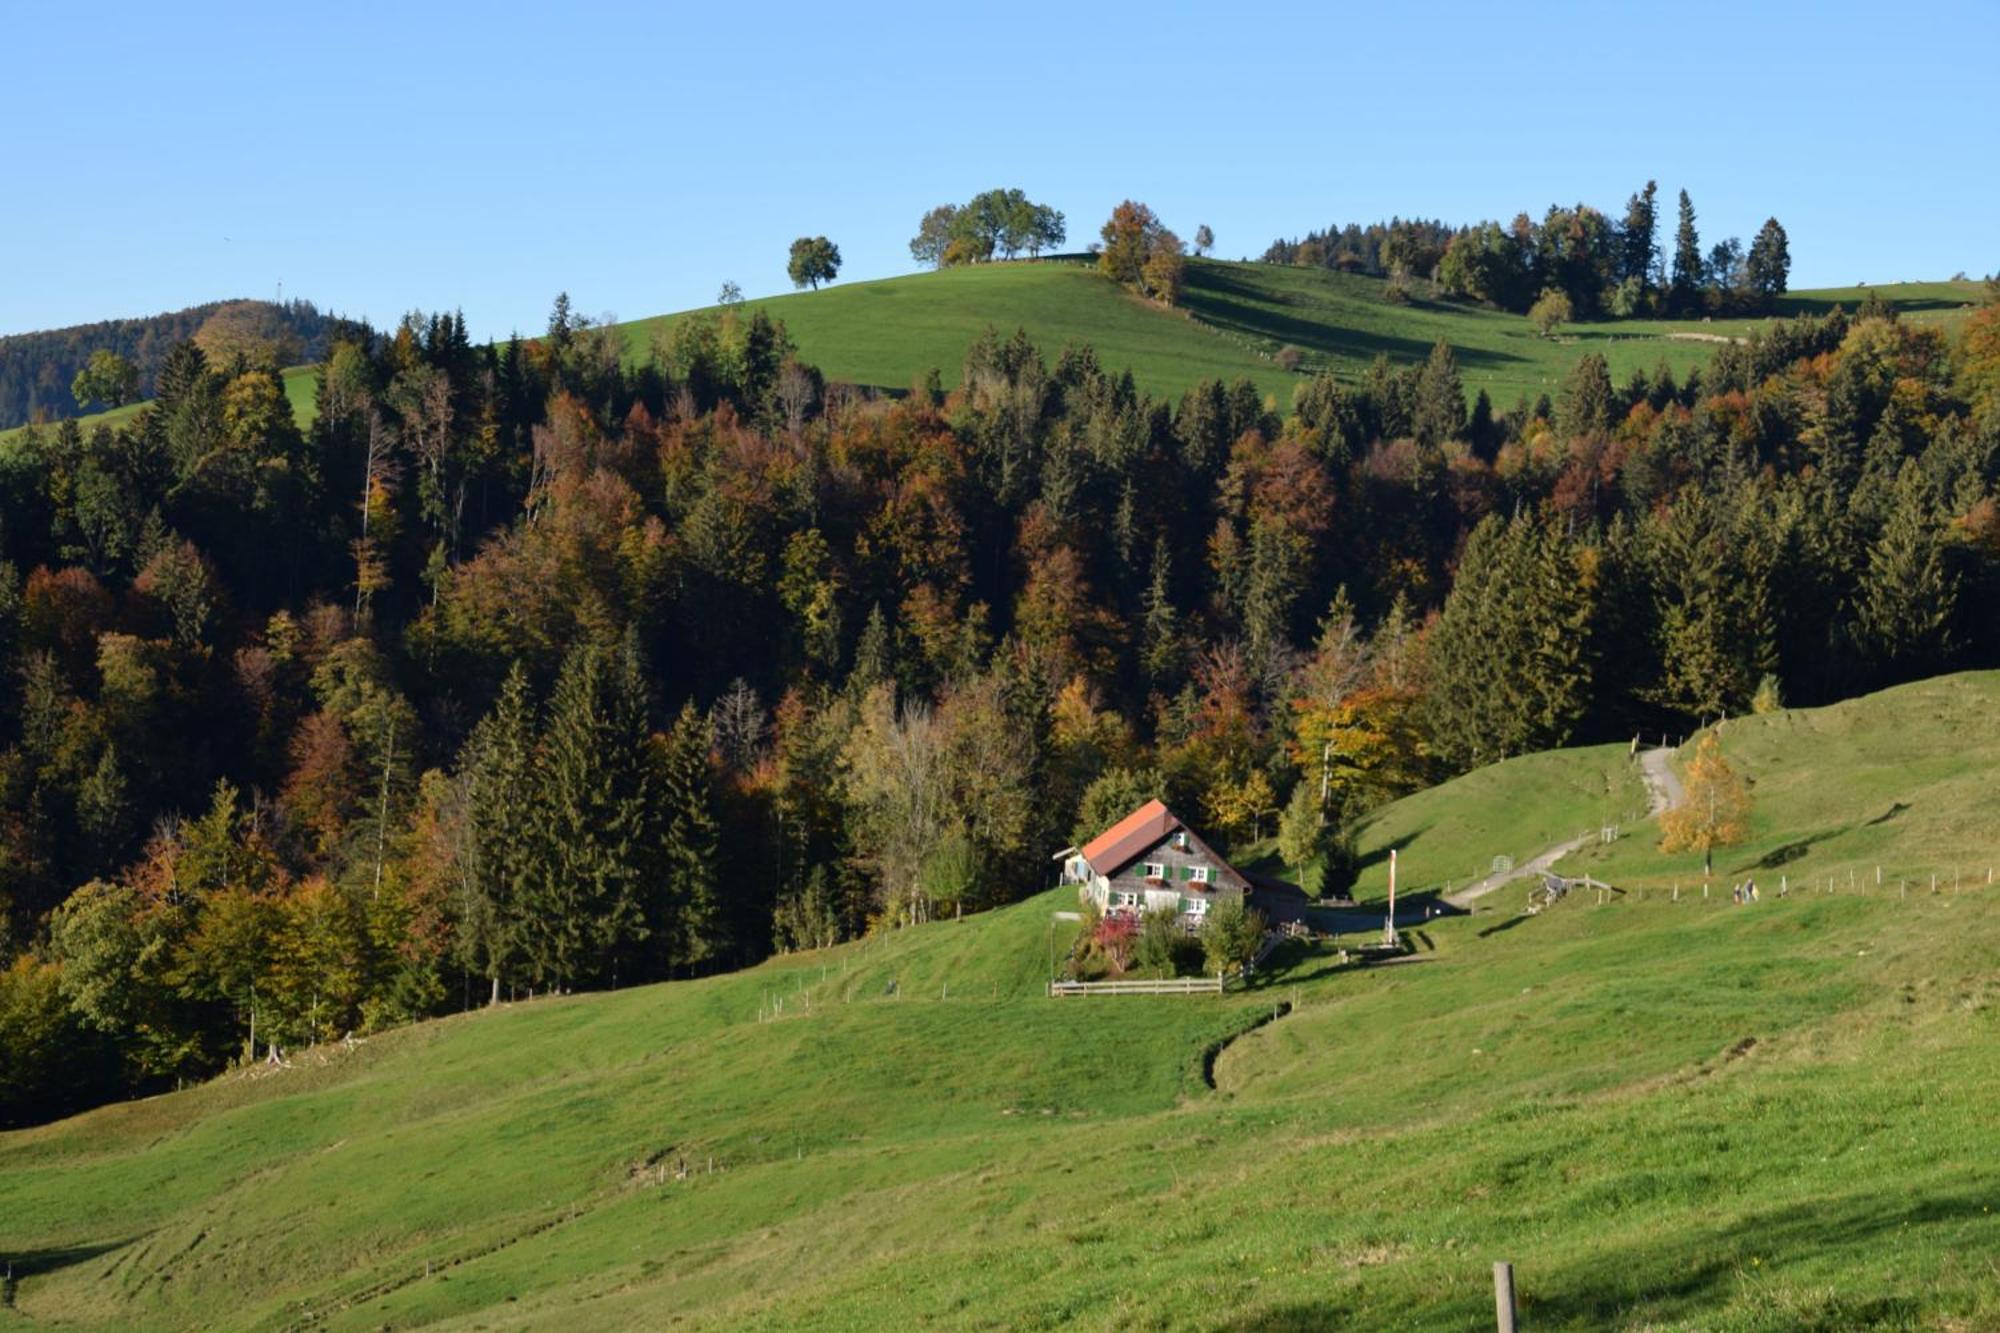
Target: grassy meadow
(1234, 320)
(1669, 1115)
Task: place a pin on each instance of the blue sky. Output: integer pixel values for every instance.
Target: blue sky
(377, 158)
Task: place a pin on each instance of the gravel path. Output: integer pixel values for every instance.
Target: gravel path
(1663, 789)
(1663, 785)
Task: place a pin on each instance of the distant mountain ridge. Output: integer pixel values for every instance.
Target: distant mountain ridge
(36, 368)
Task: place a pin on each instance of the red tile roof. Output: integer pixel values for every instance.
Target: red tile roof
(1115, 848)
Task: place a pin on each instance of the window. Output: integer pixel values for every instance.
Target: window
(1180, 841)
(1126, 899)
(1154, 870)
(1199, 874)
(1194, 906)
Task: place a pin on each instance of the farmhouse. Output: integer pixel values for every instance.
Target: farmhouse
(1150, 861)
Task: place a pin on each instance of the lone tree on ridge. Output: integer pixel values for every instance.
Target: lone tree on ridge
(815, 259)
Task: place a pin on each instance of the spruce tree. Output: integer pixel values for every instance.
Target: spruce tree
(1907, 600)
(874, 655)
(684, 904)
(1639, 252)
(1482, 433)
(1440, 401)
(1463, 709)
(1585, 407)
(1160, 649)
(1711, 614)
(594, 827)
(1510, 667)
(1688, 268)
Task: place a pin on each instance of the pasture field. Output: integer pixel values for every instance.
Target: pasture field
(1235, 319)
(1669, 1115)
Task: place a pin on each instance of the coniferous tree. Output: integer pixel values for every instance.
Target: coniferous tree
(1769, 266)
(1464, 707)
(1711, 610)
(1584, 409)
(1161, 651)
(1440, 406)
(1510, 665)
(596, 829)
(495, 862)
(1639, 252)
(1907, 599)
(687, 915)
(874, 655)
(1482, 433)
(1688, 267)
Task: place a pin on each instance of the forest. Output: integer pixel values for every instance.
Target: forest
(526, 668)
(38, 371)
(1598, 265)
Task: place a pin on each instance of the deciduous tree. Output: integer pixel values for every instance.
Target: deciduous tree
(1715, 812)
(814, 260)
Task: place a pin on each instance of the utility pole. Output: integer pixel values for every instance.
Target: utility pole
(1389, 926)
(1325, 774)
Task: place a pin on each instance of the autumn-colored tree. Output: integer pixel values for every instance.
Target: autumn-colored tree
(107, 378)
(1714, 812)
(1551, 310)
(1139, 252)
(1239, 807)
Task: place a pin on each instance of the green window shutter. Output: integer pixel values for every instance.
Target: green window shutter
(1187, 872)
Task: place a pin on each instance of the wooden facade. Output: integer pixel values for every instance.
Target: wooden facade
(1149, 862)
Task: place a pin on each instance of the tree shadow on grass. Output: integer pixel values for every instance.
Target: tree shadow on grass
(17, 1266)
(1506, 925)
(1295, 1317)
(1792, 851)
(35, 1263)
(1381, 854)
(1663, 1281)
(1889, 814)
(1229, 303)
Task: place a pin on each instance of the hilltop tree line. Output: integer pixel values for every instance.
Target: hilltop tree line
(994, 224)
(1599, 265)
(38, 371)
(527, 669)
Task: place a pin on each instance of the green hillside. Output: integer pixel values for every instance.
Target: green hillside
(1669, 1115)
(301, 391)
(1236, 318)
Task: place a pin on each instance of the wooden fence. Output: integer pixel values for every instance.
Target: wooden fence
(1169, 986)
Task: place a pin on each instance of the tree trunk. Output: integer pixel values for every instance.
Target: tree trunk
(495, 998)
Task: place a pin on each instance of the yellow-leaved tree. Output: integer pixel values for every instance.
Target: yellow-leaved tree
(1715, 812)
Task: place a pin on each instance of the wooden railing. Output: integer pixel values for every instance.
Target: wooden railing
(1167, 986)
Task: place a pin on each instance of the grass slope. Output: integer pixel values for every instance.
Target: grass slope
(1236, 317)
(301, 391)
(1670, 1115)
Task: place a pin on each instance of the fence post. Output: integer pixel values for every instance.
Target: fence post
(1503, 1296)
